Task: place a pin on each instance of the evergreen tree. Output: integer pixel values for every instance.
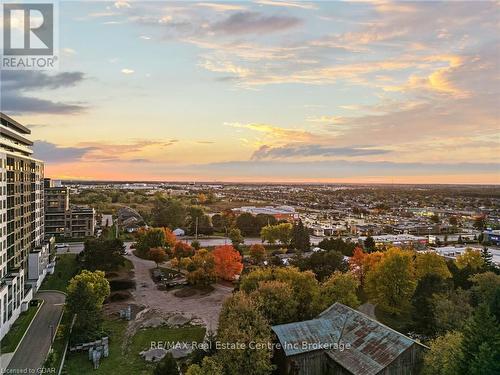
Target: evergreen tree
(487, 257)
(300, 237)
(481, 343)
(369, 244)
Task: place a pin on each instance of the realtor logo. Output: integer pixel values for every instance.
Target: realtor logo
(30, 36)
(37, 24)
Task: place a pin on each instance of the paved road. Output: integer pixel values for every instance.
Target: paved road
(35, 345)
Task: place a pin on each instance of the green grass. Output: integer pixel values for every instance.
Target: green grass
(13, 337)
(66, 268)
(62, 336)
(129, 361)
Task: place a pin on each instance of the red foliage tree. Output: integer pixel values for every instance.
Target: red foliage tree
(357, 263)
(170, 237)
(227, 262)
(182, 250)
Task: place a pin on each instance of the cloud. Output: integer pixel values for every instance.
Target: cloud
(50, 152)
(287, 4)
(220, 7)
(127, 71)
(300, 151)
(255, 23)
(18, 87)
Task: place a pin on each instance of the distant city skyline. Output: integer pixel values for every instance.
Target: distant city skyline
(268, 91)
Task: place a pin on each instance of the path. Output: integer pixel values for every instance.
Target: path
(206, 307)
(34, 348)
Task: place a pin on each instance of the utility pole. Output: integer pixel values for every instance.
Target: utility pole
(196, 229)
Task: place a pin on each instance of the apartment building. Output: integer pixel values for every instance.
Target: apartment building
(62, 219)
(22, 246)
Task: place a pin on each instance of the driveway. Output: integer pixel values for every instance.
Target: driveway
(36, 343)
(205, 307)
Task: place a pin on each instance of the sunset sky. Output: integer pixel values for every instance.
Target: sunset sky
(268, 91)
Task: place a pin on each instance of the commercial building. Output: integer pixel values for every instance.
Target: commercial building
(63, 220)
(24, 256)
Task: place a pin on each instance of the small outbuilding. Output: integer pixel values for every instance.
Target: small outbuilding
(344, 341)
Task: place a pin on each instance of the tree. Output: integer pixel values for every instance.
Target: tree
(168, 212)
(257, 253)
(86, 294)
(340, 287)
(170, 237)
(487, 258)
(157, 255)
(149, 239)
(430, 263)
(481, 343)
(195, 244)
(198, 222)
(241, 322)
(166, 366)
(227, 262)
(322, 263)
(202, 268)
(392, 283)
(422, 307)
(209, 366)
(435, 219)
(236, 237)
(284, 233)
(276, 301)
(369, 244)
(445, 355)
(247, 224)
(269, 233)
(182, 250)
(304, 285)
(300, 237)
(218, 223)
(102, 254)
(485, 287)
(357, 264)
(471, 258)
(450, 310)
(453, 221)
(337, 244)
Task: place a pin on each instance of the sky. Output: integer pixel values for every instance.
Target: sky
(268, 91)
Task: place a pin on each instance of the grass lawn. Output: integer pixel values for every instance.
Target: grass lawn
(13, 337)
(129, 362)
(61, 338)
(66, 268)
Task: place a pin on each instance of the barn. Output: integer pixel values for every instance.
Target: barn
(343, 341)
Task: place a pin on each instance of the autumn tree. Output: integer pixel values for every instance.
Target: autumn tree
(392, 282)
(202, 268)
(470, 258)
(182, 250)
(170, 237)
(209, 366)
(157, 255)
(241, 322)
(357, 264)
(485, 287)
(148, 239)
(257, 253)
(269, 233)
(430, 263)
(227, 262)
(340, 287)
(276, 301)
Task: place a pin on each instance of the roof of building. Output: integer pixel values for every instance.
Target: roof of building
(373, 346)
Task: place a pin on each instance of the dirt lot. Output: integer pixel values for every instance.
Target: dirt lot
(204, 307)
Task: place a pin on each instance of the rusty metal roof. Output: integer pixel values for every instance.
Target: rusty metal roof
(373, 346)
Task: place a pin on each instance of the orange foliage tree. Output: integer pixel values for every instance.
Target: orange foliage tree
(257, 253)
(182, 250)
(170, 238)
(157, 255)
(227, 262)
(357, 264)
